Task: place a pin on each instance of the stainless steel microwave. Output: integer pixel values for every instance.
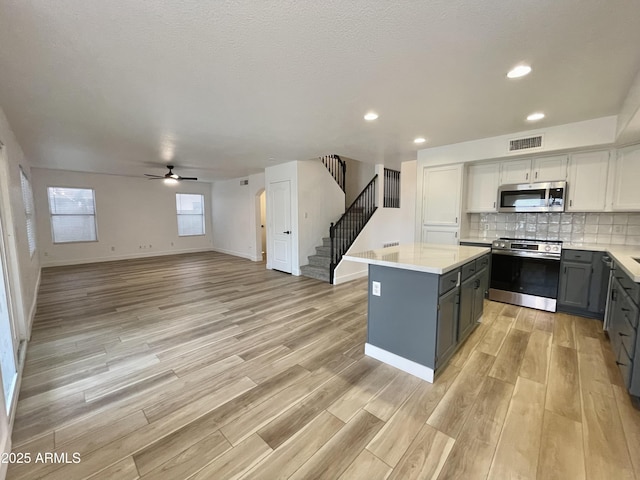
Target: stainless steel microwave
(532, 197)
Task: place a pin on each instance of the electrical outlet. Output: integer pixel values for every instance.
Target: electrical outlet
(375, 289)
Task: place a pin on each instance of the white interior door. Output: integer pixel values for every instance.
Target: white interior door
(7, 352)
(280, 209)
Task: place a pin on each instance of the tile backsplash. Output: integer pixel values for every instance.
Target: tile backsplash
(603, 228)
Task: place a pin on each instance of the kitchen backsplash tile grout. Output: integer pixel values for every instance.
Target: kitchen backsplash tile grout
(603, 228)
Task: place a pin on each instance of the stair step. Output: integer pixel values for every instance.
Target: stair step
(319, 261)
(319, 273)
(323, 251)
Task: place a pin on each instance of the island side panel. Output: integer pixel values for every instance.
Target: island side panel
(403, 319)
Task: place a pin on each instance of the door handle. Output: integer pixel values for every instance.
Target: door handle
(287, 232)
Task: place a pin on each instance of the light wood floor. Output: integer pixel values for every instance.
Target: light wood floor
(205, 366)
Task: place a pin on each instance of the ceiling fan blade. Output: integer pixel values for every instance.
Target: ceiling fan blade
(152, 176)
(188, 178)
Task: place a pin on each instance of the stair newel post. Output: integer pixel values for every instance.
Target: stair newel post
(331, 252)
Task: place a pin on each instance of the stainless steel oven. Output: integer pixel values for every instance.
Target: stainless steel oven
(525, 272)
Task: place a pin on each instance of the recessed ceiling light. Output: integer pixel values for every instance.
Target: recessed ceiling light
(371, 116)
(420, 140)
(519, 71)
(535, 116)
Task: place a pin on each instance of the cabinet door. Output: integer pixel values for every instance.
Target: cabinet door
(482, 192)
(587, 185)
(550, 169)
(626, 194)
(440, 235)
(574, 284)
(441, 188)
(447, 326)
(479, 293)
(515, 171)
(466, 316)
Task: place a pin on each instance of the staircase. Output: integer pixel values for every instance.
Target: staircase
(342, 234)
(319, 264)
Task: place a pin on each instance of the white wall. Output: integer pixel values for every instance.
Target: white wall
(387, 225)
(135, 217)
(600, 131)
(23, 270)
(320, 202)
(358, 176)
(235, 217)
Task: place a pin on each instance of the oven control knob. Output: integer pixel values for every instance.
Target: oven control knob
(547, 248)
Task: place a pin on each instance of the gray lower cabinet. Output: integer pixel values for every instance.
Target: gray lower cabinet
(424, 317)
(623, 328)
(582, 289)
(447, 326)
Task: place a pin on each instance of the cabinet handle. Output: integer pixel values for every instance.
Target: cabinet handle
(571, 203)
(455, 235)
(456, 219)
(536, 174)
(622, 334)
(625, 309)
(526, 177)
(620, 363)
(494, 204)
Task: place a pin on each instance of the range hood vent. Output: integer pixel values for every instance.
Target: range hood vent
(528, 143)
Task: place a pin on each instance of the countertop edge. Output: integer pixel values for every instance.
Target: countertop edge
(419, 268)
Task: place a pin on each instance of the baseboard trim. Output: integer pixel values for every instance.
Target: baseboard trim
(115, 258)
(350, 277)
(409, 366)
(34, 304)
(253, 258)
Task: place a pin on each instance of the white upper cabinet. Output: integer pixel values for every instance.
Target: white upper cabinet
(587, 184)
(626, 193)
(543, 169)
(549, 169)
(482, 192)
(441, 191)
(515, 171)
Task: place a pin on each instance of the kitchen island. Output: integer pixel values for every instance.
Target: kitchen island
(424, 300)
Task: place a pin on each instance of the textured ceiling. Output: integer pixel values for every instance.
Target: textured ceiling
(223, 86)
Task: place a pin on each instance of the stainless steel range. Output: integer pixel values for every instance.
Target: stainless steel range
(525, 272)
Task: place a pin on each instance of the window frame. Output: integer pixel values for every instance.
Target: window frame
(94, 214)
(202, 215)
(29, 211)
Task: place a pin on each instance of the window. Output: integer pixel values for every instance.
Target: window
(29, 211)
(73, 214)
(190, 208)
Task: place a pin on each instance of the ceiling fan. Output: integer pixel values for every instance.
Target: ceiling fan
(169, 177)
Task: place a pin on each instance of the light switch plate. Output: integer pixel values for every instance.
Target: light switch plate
(375, 288)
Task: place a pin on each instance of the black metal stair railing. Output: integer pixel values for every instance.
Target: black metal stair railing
(337, 167)
(391, 188)
(344, 232)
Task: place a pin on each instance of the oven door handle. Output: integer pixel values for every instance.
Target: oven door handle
(542, 256)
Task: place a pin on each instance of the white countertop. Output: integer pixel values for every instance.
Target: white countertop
(623, 255)
(420, 257)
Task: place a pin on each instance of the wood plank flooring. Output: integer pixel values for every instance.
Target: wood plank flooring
(205, 366)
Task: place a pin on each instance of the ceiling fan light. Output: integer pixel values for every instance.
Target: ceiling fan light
(170, 181)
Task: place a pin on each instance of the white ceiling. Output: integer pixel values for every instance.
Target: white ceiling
(114, 86)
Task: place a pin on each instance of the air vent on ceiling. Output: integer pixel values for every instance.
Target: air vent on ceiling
(244, 182)
(528, 143)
